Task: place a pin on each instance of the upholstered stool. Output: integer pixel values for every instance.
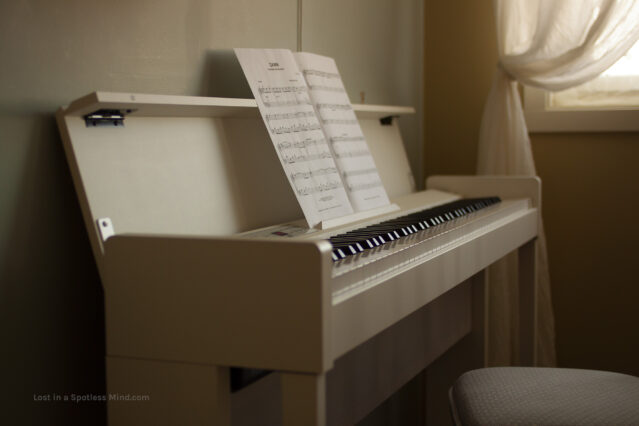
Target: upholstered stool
(544, 396)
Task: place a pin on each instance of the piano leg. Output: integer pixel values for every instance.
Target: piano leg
(145, 392)
(479, 333)
(467, 354)
(303, 399)
(528, 304)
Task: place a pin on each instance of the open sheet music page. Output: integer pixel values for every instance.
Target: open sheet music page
(282, 96)
(354, 159)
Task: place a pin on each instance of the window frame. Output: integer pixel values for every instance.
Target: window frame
(541, 118)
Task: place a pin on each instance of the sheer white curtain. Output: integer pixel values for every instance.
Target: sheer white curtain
(554, 45)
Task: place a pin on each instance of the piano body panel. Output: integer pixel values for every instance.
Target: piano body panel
(219, 301)
(381, 304)
(180, 176)
(371, 372)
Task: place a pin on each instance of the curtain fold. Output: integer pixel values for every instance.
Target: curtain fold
(551, 45)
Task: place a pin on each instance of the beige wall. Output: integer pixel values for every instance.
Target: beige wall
(51, 314)
(589, 194)
(459, 61)
(590, 209)
(383, 37)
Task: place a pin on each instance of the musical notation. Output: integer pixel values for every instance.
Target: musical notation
(300, 95)
(353, 173)
(319, 73)
(283, 96)
(350, 154)
(364, 186)
(322, 187)
(339, 121)
(335, 139)
(343, 132)
(285, 104)
(314, 173)
(289, 115)
(286, 89)
(295, 128)
(307, 143)
(335, 107)
(301, 157)
(326, 88)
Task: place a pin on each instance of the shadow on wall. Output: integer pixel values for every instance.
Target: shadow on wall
(51, 300)
(223, 77)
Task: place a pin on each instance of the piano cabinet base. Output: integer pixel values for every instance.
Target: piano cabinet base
(303, 399)
(174, 393)
(366, 376)
(528, 303)
(147, 392)
(359, 381)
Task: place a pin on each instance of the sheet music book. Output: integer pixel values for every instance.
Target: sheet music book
(315, 132)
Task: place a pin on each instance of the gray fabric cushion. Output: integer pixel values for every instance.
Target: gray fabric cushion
(545, 396)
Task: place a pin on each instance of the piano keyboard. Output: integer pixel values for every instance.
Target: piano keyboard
(367, 238)
(358, 272)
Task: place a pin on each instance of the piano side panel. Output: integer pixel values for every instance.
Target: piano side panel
(234, 302)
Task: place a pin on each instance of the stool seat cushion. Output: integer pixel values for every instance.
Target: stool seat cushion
(545, 396)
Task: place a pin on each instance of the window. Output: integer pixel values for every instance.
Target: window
(610, 102)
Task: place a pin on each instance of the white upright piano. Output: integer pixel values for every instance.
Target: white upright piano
(206, 267)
